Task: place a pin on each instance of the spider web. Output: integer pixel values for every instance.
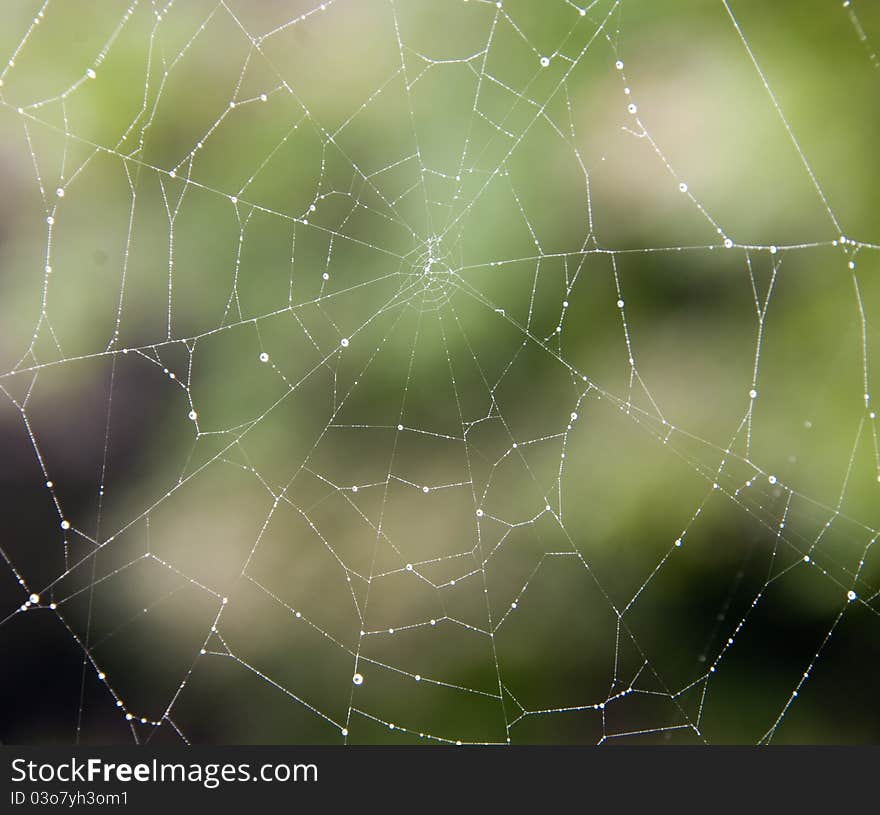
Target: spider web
(461, 372)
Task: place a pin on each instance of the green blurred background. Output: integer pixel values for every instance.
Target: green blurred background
(286, 230)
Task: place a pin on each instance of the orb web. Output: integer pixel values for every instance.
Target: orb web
(474, 372)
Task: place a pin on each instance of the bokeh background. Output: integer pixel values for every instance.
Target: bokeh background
(461, 192)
